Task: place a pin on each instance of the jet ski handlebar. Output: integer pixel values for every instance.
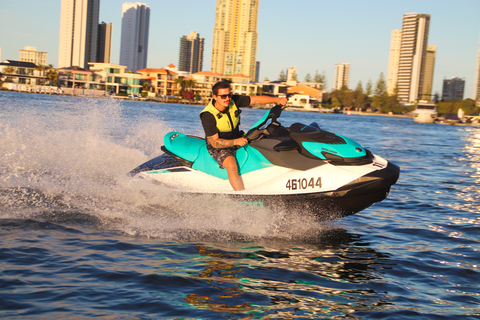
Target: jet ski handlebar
(256, 131)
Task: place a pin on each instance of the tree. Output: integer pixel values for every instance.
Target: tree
(180, 82)
(308, 78)
(282, 76)
(343, 98)
(467, 105)
(320, 78)
(41, 68)
(381, 86)
(359, 88)
(380, 94)
(361, 100)
(52, 75)
(188, 93)
(146, 86)
(8, 70)
(190, 84)
(368, 88)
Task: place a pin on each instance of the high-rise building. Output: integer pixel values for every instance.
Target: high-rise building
(234, 48)
(30, 54)
(104, 42)
(134, 40)
(476, 91)
(453, 89)
(392, 76)
(412, 59)
(78, 33)
(341, 76)
(427, 78)
(292, 75)
(191, 53)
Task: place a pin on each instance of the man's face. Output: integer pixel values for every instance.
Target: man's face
(222, 99)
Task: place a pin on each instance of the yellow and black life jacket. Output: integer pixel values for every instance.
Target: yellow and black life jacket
(226, 122)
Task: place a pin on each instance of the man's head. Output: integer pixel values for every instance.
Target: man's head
(220, 85)
(222, 95)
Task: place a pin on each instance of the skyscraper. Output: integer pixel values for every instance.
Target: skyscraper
(134, 40)
(292, 75)
(427, 78)
(78, 32)
(234, 48)
(341, 76)
(453, 89)
(257, 71)
(104, 42)
(392, 76)
(191, 53)
(412, 59)
(476, 91)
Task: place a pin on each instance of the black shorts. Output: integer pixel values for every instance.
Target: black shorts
(221, 154)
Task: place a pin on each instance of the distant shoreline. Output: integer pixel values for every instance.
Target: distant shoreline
(126, 98)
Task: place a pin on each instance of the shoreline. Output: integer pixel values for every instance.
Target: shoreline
(165, 100)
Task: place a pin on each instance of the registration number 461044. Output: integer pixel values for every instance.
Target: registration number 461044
(305, 183)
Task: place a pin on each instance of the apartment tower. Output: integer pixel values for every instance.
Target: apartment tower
(427, 78)
(292, 76)
(392, 76)
(30, 54)
(104, 42)
(134, 39)
(234, 48)
(341, 76)
(191, 53)
(476, 91)
(78, 33)
(453, 89)
(414, 75)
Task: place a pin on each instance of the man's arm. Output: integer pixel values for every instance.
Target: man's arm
(218, 143)
(267, 100)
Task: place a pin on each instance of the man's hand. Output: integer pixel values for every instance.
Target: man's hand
(282, 101)
(240, 141)
(218, 143)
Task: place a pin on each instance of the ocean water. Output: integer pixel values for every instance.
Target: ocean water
(79, 239)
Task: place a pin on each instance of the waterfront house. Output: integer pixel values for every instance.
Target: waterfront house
(21, 72)
(162, 81)
(79, 78)
(116, 80)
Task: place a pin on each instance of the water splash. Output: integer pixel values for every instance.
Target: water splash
(67, 157)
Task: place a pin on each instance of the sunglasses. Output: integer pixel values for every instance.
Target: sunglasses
(225, 96)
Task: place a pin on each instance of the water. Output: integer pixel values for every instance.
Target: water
(79, 239)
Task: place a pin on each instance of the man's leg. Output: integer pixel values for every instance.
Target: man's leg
(230, 163)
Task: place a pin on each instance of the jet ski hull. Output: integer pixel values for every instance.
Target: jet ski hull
(347, 200)
(356, 195)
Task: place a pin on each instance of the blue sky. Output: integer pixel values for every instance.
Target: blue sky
(312, 35)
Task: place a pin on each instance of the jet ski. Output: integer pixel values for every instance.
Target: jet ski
(300, 167)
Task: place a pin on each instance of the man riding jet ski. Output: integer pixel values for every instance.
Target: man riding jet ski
(301, 167)
(221, 123)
